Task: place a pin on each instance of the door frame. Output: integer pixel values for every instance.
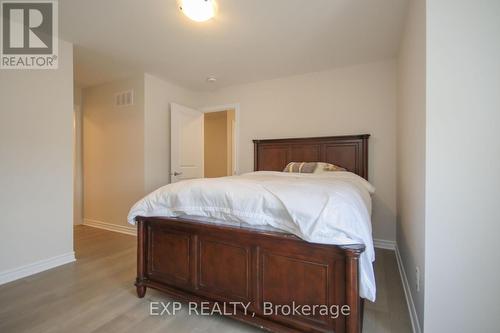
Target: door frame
(236, 138)
(77, 164)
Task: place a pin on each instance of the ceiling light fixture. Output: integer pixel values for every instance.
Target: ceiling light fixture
(211, 79)
(198, 10)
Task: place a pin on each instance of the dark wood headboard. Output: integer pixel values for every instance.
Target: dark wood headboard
(349, 152)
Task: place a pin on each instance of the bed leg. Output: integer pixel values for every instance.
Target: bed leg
(139, 282)
(141, 291)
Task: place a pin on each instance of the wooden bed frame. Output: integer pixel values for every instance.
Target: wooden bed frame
(193, 261)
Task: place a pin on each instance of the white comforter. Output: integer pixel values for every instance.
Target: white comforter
(327, 208)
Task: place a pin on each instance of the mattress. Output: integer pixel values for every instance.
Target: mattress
(327, 208)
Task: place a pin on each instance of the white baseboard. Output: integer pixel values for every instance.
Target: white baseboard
(36, 267)
(409, 299)
(391, 245)
(384, 244)
(111, 227)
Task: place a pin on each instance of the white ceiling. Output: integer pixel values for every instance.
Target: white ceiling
(248, 40)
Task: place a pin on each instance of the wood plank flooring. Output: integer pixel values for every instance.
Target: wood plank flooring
(96, 294)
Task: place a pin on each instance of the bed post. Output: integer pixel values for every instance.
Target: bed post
(140, 287)
(354, 322)
(255, 155)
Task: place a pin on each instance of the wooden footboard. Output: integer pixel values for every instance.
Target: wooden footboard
(197, 262)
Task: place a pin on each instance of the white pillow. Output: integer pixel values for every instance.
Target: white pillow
(323, 167)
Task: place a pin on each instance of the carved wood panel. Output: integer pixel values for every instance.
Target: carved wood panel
(274, 158)
(224, 269)
(169, 256)
(305, 153)
(343, 155)
(289, 279)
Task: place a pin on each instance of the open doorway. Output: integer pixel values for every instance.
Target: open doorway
(219, 143)
(203, 143)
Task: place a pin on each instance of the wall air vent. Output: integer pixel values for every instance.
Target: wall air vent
(124, 98)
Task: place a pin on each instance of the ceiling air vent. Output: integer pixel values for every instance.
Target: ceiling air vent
(124, 98)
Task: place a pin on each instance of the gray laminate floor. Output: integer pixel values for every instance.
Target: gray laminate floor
(95, 294)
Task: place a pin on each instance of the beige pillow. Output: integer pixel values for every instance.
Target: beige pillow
(301, 167)
(327, 167)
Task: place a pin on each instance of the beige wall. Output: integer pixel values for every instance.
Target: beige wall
(216, 144)
(127, 149)
(411, 152)
(463, 161)
(351, 100)
(36, 164)
(113, 151)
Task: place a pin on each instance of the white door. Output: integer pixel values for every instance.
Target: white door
(186, 143)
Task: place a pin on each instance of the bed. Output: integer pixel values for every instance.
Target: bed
(193, 260)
